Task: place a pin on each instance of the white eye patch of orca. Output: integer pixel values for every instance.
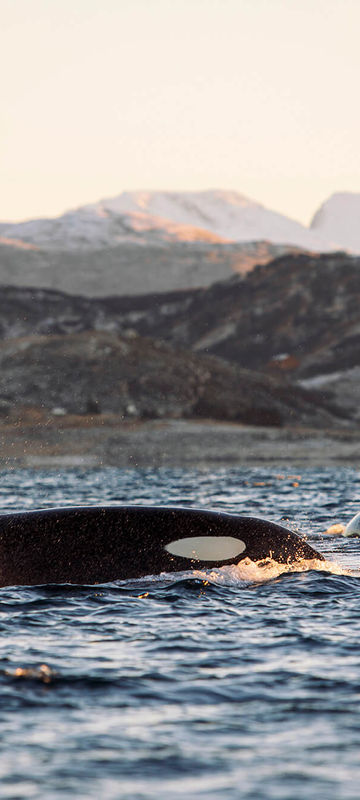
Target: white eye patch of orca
(207, 548)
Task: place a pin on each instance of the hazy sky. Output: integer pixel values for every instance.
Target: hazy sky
(98, 96)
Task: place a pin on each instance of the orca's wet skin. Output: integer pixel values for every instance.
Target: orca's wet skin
(99, 544)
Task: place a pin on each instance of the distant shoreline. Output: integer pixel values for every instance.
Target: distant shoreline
(106, 441)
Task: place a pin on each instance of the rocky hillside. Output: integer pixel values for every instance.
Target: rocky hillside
(297, 315)
(104, 373)
(295, 320)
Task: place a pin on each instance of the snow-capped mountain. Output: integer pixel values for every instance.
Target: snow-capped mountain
(339, 219)
(98, 227)
(153, 217)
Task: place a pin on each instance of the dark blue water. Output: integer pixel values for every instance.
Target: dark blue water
(233, 684)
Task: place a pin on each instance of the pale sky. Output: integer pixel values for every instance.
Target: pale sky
(100, 96)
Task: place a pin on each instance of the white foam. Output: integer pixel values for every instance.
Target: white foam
(248, 572)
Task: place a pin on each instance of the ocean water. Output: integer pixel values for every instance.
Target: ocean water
(242, 682)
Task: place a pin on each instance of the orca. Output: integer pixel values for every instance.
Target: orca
(97, 544)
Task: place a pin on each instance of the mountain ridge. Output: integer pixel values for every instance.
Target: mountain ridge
(148, 217)
(130, 269)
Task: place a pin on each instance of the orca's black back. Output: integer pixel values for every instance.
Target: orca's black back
(99, 544)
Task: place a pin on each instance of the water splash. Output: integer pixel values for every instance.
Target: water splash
(252, 572)
(248, 572)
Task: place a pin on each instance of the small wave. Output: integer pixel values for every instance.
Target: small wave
(245, 573)
(248, 572)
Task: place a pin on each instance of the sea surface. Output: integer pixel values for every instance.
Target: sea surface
(241, 682)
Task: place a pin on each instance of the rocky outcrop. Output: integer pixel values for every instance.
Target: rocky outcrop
(103, 373)
(295, 319)
(298, 315)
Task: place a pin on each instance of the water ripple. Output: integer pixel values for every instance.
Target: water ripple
(236, 683)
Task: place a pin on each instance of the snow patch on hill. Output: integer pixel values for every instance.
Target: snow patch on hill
(229, 215)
